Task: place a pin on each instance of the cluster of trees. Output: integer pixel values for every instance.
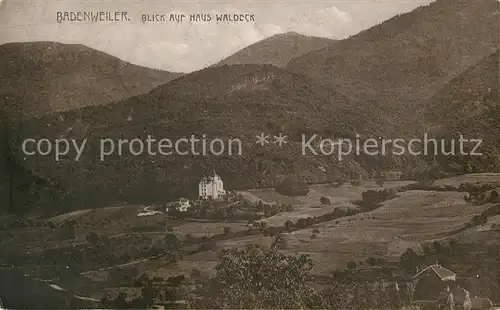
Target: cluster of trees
(483, 217)
(372, 198)
(376, 197)
(239, 210)
(260, 278)
(479, 192)
(257, 277)
(153, 291)
(292, 186)
(254, 277)
(325, 200)
(273, 209)
(410, 260)
(475, 191)
(96, 252)
(301, 223)
(370, 261)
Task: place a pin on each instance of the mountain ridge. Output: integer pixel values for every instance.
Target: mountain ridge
(53, 76)
(276, 50)
(409, 56)
(238, 101)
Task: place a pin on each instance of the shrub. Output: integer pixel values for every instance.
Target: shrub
(494, 196)
(279, 242)
(288, 225)
(325, 200)
(207, 247)
(372, 261)
(355, 183)
(351, 265)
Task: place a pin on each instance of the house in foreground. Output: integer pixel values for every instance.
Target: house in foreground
(432, 281)
(211, 187)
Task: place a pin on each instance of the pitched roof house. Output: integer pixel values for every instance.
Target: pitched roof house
(431, 281)
(442, 273)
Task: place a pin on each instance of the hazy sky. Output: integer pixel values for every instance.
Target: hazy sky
(189, 46)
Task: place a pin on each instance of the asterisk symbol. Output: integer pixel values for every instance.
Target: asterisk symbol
(262, 139)
(280, 139)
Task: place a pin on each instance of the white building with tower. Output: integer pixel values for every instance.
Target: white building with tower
(211, 187)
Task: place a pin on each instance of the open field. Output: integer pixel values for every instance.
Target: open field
(421, 214)
(115, 213)
(270, 196)
(305, 211)
(208, 229)
(350, 192)
(401, 223)
(160, 267)
(410, 220)
(480, 178)
(309, 205)
(123, 219)
(342, 193)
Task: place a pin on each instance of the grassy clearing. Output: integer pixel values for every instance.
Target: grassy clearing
(342, 193)
(479, 178)
(407, 221)
(114, 213)
(306, 211)
(401, 223)
(350, 192)
(270, 196)
(208, 229)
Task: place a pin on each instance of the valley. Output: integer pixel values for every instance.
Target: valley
(95, 214)
(115, 240)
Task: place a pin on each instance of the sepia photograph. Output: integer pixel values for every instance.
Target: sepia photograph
(250, 154)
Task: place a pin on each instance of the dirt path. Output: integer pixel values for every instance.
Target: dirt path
(137, 261)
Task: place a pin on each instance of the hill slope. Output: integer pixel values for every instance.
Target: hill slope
(470, 95)
(277, 50)
(410, 56)
(239, 101)
(469, 105)
(45, 77)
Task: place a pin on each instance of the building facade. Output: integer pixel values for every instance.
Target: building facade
(211, 187)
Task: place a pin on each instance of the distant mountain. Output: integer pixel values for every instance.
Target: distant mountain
(277, 50)
(45, 77)
(408, 57)
(238, 101)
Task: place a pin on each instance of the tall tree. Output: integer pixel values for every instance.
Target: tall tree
(258, 277)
